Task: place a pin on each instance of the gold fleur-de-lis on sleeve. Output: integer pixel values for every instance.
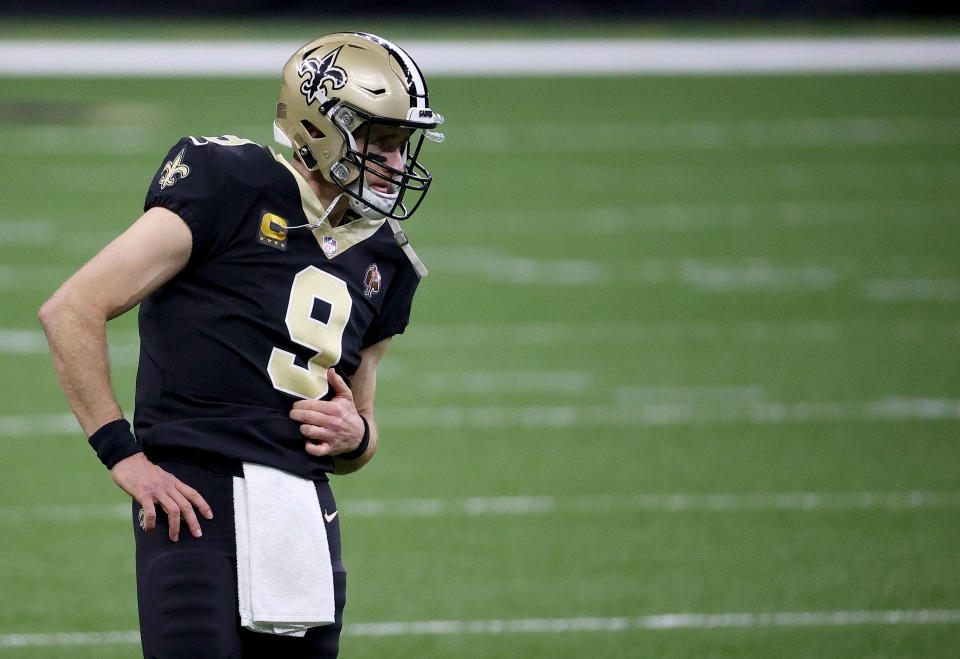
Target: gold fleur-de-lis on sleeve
(172, 169)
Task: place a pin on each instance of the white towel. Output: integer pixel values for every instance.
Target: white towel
(284, 577)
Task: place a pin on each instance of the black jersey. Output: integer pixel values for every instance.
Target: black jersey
(260, 311)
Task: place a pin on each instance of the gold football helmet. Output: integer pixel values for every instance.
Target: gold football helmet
(334, 90)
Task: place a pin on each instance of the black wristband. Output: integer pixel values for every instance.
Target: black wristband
(364, 443)
(113, 442)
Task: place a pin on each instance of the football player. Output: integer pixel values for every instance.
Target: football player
(269, 290)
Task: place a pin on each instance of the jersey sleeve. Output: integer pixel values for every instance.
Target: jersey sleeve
(395, 312)
(190, 184)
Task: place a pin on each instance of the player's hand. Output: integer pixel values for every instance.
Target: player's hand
(331, 426)
(149, 485)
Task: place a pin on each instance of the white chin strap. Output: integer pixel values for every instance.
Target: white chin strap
(377, 205)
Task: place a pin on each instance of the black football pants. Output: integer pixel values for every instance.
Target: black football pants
(187, 590)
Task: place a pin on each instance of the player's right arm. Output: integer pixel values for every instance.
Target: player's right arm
(148, 254)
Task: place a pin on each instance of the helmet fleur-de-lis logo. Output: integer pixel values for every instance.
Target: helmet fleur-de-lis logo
(321, 71)
(173, 169)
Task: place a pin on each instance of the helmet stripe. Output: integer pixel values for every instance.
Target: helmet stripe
(418, 93)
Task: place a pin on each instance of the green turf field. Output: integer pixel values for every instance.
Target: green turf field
(688, 346)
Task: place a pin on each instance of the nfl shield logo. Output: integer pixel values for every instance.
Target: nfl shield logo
(329, 246)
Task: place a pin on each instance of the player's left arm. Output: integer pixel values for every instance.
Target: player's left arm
(334, 427)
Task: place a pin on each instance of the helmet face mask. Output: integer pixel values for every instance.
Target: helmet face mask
(340, 90)
(407, 186)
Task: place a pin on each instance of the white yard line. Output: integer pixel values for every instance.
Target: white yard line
(674, 217)
(665, 621)
(558, 625)
(28, 232)
(703, 134)
(647, 135)
(494, 265)
(626, 412)
(475, 382)
(757, 274)
(674, 414)
(32, 425)
(745, 274)
(736, 215)
(125, 344)
(541, 334)
(69, 638)
(124, 347)
(22, 342)
(545, 505)
(497, 57)
(655, 503)
(924, 290)
(51, 139)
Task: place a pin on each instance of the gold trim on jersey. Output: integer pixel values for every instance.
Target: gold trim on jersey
(344, 236)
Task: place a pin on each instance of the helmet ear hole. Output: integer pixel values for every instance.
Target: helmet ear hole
(312, 130)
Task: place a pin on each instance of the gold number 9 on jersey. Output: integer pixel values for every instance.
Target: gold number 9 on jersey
(325, 338)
